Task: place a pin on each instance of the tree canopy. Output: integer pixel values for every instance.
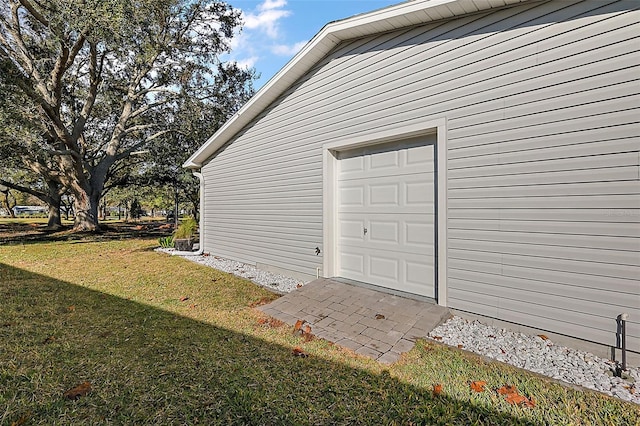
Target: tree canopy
(93, 81)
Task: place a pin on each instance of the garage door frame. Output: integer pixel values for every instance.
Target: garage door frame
(330, 191)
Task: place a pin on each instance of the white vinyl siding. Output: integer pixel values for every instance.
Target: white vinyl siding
(542, 102)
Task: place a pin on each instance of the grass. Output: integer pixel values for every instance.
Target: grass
(166, 341)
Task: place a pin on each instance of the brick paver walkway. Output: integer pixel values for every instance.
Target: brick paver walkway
(370, 322)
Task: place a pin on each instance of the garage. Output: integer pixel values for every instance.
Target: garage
(531, 111)
(386, 216)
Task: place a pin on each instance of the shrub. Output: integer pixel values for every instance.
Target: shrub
(186, 229)
(166, 242)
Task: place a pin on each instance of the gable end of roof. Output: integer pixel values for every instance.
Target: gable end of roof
(410, 13)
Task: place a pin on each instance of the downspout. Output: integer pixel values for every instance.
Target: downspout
(200, 222)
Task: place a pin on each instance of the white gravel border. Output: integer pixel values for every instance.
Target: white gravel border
(274, 282)
(540, 355)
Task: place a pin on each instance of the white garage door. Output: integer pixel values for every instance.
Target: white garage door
(386, 216)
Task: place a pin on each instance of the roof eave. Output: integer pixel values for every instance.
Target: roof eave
(405, 14)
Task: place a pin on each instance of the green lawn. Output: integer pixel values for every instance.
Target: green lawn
(166, 341)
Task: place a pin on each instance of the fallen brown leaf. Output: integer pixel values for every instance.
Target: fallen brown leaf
(516, 399)
(478, 385)
(297, 351)
(298, 325)
(307, 329)
(379, 316)
(270, 322)
(436, 337)
(543, 337)
(507, 389)
(184, 298)
(460, 346)
(437, 389)
(299, 285)
(76, 392)
(71, 308)
(275, 323)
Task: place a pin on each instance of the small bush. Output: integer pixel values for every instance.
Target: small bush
(186, 229)
(166, 242)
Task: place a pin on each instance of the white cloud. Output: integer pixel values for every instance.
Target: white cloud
(272, 4)
(286, 49)
(266, 18)
(249, 62)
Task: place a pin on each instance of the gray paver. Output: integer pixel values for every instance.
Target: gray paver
(402, 346)
(349, 344)
(367, 351)
(345, 315)
(362, 339)
(389, 357)
(379, 346)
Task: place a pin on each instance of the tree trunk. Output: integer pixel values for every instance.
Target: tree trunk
(7, 204)
(86, 208)
(54, 200)
(55, 220)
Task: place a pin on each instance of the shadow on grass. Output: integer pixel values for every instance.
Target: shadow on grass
(21, 232)
(149, 366)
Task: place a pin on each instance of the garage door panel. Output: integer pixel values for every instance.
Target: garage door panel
(390, 250)
(386, 214)
(382, 210)
(351, 196)
(419, 194)
(384, 194)
(383, 160)
(351, 229)
(353, 264)
(399, 173)
(384, 231)
(419, 233)
(351, 165)
(383, 268)
(422, 156)
(417, 272)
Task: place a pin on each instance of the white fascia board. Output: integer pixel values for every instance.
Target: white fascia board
(409, 13)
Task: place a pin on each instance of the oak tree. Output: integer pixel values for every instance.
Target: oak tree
(104, 79)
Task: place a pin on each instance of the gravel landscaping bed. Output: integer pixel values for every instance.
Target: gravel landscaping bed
(533, 353)
(540, 355)
(274, 282)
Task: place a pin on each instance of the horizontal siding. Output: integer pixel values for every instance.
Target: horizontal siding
(542, 102)
(555, 226)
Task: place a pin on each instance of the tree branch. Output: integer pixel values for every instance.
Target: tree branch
(94, 81)
(24, 189)
(66, 152)
(33, 11)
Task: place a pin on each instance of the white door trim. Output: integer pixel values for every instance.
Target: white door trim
(329, 191)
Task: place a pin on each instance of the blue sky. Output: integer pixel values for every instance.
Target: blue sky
(275, 30)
